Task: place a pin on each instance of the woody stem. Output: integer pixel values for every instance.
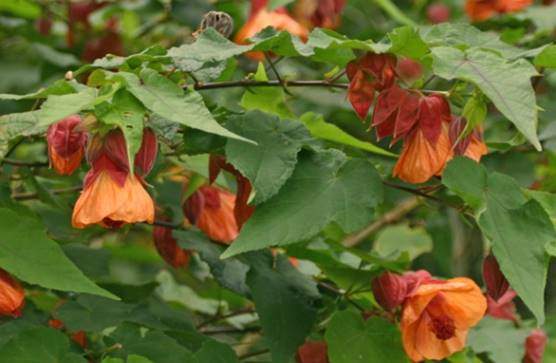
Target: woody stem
(271, 83)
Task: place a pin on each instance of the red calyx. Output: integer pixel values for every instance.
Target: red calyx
(63, 137)
(370, 73)
(146, 156)
(390, 290)
(495, 281)
(535, 345)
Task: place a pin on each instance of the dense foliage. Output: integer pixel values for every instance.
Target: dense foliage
(281, 181)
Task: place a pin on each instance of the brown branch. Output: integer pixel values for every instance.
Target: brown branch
(271, 83)
(254, 354)
(249, 329)
(400, 211)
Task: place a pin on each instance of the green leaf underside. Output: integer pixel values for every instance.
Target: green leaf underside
(168, 100)
(271, 162)
(350, 339)
(499, 339)
(324, 187)
(519, 229)
(284, 300)
(506, 84)
(321, 129)
(27, 253)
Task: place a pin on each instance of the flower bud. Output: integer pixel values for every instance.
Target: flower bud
(12, 296)
(146, 156)
(389, 290)
(534, 346)
(495, 281)
(66, 144)
(438, 13)
(168, 248)
(409, 70)
(312, 352)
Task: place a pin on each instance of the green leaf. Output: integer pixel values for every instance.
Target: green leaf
(17, 124)
(215, 352)
(407, 42)
(463, 36)
(133, 358)
(230, 273)
(40, 344)
(57, 107)
(271, 162)
(21, 8)
(210, 47)
(350, 339)
(394, 12)
(281, 43)
(506, 84)
(467, 179)
(268, 99)
(546, 58)
(321, 129)
(53, 56)
(284, 300)
(543, 17)
(519, 236)
(60, 87)
(324, 188)
(153, 345)
(127, 113)
(166, 99)
(402, 238)
(27, 253)
(499, 339)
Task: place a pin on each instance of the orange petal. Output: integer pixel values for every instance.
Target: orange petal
(12, 296)
(430, 347)
(104, 199)
(479, 10)
(65, 165)
(218, 222)
(420, 160)
(476, 149)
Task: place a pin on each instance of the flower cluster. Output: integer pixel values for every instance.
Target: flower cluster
(431, 135)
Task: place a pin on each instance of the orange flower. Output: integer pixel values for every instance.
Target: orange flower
(437, 316)
(112, 195)
(12, 296)
(421, 159)
(168, 248)
(319, 13)
(261, 18)
(66, 145)
(479, 10)
(211, 209)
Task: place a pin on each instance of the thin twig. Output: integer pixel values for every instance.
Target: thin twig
(248, 310)
(35, 164)
(276, 73)
(29, 196)
(271, 83)
(400, 211)
(249, 329)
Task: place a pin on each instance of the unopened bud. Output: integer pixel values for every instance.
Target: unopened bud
(495, 281)
(146, 156)
(535, 345)
(68, 76)
(12, 296)
(389, 290)
(438, 13)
